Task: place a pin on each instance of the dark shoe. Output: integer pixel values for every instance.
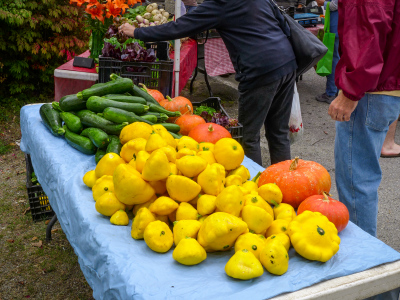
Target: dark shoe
(390, 155)
(325, 98)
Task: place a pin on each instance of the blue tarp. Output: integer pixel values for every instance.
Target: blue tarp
(118, 267)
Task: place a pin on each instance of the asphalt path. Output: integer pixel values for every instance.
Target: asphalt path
(317, 144)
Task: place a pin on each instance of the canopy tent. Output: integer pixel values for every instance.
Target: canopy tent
(177, 49)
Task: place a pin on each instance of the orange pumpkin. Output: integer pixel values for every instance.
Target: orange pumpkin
(179, 103)
(334, 210)
(157, 95)
(209, 132)
(298, 179)
(188, 122)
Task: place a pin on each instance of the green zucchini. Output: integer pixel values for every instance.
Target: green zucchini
(161, 118)
(51, 119)
(73, 122)
(72, 103)
(125, 98)
(118, 115)
(155, 108)
(150, 118)
(115, 145)
(98, 104)
(79, 142)
(137, 91)
(91, 119)
(171, 127)
(175, 135)
(119, 86)
(98, 137)
(99, 154)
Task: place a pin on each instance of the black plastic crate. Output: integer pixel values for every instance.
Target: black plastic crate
(155, 75)
(215, 102)
(38, 201)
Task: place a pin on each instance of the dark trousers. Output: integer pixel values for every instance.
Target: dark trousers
(267, 105)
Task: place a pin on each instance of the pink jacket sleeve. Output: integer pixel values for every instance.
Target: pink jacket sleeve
(363, 28)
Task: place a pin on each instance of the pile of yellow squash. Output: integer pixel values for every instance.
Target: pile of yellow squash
(200, 198)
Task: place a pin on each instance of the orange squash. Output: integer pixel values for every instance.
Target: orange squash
(334, 210)
(209, 132)
(298, 179)
(188, 122)
(179, 103)
(154, 93)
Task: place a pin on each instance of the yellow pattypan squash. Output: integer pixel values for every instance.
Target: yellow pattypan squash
(233, 180)
(184, 151)
(275, 258)
(219, 231)
(206, 204)
(154, 142)
(158, 128)
(244, 265)
(251, 242)
(282, 238)
(147, 204)
(103, 185)
(181, 188)
(186, 211)
(184, 228)
(170, 152)
(313, 236)
(212, 179)
(163, 206)
(229, 153)
(130, 149)
(141, 159)
(162, 218)
(90, 178)
(107, 164)
(242, 171)
(156, 167)
(206, 146)
(230, 200)
(168, 138)
(135, 130)
(271, 193)
(143, 218)
(207, 156)
(278, 226)
(188, 142)
(108, 204)
(120, 218)
(173, 168)
(251, 186)
(190, 165)
(189, 252)
(257, 219)
(284, 211)
(129, 187)
(159, 186)
(256, 200)
(158, 236)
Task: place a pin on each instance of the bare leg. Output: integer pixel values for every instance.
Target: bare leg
(389, 146)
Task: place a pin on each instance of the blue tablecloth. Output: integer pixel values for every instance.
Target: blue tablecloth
(118, 267)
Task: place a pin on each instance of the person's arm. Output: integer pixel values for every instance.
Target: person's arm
(333, 6)
(206, 16)
(362, 43)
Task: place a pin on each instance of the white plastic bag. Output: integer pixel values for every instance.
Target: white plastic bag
(295, 122)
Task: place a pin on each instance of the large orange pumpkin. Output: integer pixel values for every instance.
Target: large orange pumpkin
(179, 103)
(188, 122)
(298, 179)
(209, 132)
(334, 210)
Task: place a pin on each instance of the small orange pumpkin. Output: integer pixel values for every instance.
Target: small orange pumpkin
(157, 95)
(298, 179)
(209, 132)
(179, 103)
(188, 122)
(334, 210)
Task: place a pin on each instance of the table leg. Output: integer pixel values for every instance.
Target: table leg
(49, 227)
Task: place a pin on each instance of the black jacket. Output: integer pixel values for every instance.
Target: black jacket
(251, 31)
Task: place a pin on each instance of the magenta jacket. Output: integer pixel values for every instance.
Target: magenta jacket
(369, 37)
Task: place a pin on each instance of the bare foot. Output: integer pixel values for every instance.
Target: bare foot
(393, 150)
